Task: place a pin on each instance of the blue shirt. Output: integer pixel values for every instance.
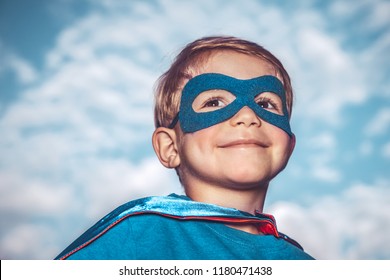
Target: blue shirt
(151, 236)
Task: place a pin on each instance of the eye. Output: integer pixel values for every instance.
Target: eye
(266, 104)
(270, 102)
(213, 102)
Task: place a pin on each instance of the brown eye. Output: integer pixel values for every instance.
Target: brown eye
(266, 104)
(214, 103)
(212, 100)
(270, 102)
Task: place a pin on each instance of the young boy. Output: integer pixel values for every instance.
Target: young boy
(222, 121)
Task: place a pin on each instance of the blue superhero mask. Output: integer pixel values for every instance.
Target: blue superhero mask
(245, 93)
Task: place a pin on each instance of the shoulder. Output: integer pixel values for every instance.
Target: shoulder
(294, 250)
(290, 240)
(115, 225)
(123, 240)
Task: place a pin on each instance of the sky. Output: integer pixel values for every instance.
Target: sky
(76, 115)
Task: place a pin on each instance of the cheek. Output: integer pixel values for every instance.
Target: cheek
(283, 151)
(199, 148)
(201, 138)
(195, 145)
(280, 139)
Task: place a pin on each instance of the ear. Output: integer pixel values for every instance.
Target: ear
(164, 142)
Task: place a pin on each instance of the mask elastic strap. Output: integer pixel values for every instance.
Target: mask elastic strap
(174, 121)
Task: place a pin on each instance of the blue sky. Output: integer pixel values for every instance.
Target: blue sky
(76, 91)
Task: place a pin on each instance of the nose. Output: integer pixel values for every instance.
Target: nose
(245, 117)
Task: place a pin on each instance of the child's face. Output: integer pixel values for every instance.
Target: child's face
(243, 151)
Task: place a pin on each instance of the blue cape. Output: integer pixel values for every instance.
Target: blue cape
(175, 207)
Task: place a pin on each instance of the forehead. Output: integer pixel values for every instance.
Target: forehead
(237, 65)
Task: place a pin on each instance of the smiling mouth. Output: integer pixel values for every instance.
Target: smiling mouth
(244, 143)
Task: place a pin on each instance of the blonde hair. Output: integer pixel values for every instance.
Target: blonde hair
(187, 62)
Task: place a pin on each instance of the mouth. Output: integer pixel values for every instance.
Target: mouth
(244, 143)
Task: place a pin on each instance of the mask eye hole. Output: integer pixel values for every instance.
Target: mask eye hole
(212, 100)
(270, 101)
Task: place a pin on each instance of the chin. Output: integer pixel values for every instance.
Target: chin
(247, 186)
(247, 180)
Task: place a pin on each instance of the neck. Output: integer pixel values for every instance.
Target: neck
(248, 200)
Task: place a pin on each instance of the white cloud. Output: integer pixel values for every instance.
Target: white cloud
(386, 150)
(323, 141)
(322, 156)
(325, 173)
(329, 81)
(24, 71)
(10, 61)
(51, 215)
(366, 148)
(379, 17)
(354, 224)
(69, 141)
(118, 181)
(29, 241)
(374, 12)
(379, 124)
(35, 197)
